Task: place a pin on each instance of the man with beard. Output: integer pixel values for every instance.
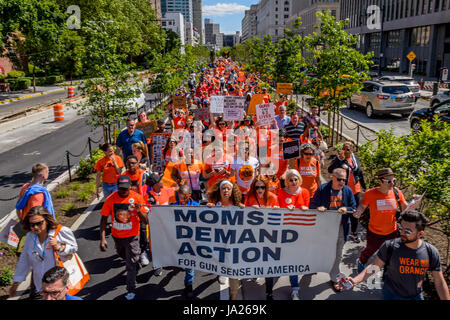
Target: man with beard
(406, 261)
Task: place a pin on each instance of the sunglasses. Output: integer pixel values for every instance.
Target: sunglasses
(346, 149)
(308, 154)
(222, 124)
(130, 125)
(36, 224)
(406, 231)
(293, 180)
(260, 187)
(340, 179)
(132, 163)
(389, 181)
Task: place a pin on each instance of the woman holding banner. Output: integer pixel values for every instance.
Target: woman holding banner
(293, 196)
(222, 194)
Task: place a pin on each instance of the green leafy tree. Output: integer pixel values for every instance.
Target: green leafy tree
(72, 53)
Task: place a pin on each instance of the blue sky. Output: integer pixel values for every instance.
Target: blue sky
(228, 13)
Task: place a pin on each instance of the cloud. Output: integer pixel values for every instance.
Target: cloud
(223, 9)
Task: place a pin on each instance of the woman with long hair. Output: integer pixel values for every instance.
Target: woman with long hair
(225, 193)
(259, 195)
(38, 253)
(109, 168)
(171, 158)
(309, 168)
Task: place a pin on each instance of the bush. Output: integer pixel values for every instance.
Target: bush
(16, 74)
(18, 84)
(86, 167)
(6, 276)
(2, 78)
(54, 79)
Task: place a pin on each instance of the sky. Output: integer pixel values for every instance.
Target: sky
(227, 13)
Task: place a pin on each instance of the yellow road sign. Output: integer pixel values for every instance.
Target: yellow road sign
(411, 56)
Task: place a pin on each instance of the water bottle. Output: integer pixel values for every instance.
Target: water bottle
(131, 204)
(343, 282)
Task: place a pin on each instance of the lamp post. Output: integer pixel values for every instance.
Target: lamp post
(380, 54)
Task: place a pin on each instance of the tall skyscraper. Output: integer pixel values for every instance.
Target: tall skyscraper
(198, 18)
(212, 34)
(182, 6)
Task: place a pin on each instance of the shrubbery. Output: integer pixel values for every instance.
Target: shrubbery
(86, 166)
(16, 74)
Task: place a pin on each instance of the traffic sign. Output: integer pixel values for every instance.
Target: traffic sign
(411, 56)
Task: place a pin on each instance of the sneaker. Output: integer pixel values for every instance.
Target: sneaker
(294, 295)
(361, 267)
(144, 259)
(130, 295)
(222, 279)
(158, 272)
(269, 297)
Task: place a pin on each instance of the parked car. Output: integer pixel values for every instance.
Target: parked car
(412, 84)
(440, 97)
(441, 109)
(381, 97)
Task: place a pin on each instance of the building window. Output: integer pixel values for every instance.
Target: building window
(373, 40)
(436, 5)
(420, 36)
(393, 39)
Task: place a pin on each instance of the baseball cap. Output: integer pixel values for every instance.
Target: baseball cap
(153, 179)
(124, 181)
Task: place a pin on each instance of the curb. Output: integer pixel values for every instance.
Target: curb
(32, 96)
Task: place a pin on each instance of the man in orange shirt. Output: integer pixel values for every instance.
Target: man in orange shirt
(384, 202)
(126, 211)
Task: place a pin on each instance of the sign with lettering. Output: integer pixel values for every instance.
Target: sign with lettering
(8, 235)
(216, 104)
(244, 243)
(291, 150)
(265, 114)
(179, 101)
(158, 142)
(233, 108)
(284, 88)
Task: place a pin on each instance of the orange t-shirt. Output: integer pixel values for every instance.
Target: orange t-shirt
(192, 177)
(164, 197)
(383, 208)
(33, 201)
(274, 186)
(106, 166)
(216, 164)
(272, 201)
(309, 172)
(301, 199)
(136, 180)
(356, 188)
(125, 222)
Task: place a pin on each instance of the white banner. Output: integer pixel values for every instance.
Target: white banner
(244, 243)
(265, 114)
(216, 104)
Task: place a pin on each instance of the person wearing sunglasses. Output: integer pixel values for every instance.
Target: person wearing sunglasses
(259, 195)
(347, 160)
(38, 253)
(309, 168)
(405, 261)
(293, 196)
(335, 195)
(385, 202)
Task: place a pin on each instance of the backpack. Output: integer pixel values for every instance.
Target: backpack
(365, 216)
(426, 285)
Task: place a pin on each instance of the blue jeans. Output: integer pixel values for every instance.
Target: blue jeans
(189, 277)
(108, 188)
(390, 294)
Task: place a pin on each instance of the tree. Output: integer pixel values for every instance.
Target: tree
(72, 53)
(338, 68)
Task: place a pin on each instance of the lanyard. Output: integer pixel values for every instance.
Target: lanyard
(41, 254)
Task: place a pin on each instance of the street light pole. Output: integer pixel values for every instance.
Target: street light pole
(380, 55)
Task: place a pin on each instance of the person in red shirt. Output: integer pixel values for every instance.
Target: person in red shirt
(179, 120)
(126, 211)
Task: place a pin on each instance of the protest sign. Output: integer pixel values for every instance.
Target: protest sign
(265, 114)
(216, 104)
(179, 101)
(291, 150)
(201, 114)
(256, 99)
(8, 235)
(284, 88)
(158, 142)
(233, 108)
(244, 243)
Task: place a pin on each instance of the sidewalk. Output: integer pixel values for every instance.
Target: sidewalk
(28, 93)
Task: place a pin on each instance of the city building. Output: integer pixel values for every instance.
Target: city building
(249, 23)
(182, 6)
(198, 19)
(271, 17)
(175, 21)
(213, 37)
(230, 40)
(156, 5)
(420, 26)
(306, 10)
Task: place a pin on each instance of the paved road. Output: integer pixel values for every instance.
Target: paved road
(12, 107)
(48, 148)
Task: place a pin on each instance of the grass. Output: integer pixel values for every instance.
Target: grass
(6, 276)
(5, 247)
(68, 207)
(61, 194)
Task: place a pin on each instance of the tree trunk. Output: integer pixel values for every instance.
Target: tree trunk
(34, 80)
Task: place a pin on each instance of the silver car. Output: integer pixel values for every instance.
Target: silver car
(438, 98)
(410, 82)
(379, 97)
